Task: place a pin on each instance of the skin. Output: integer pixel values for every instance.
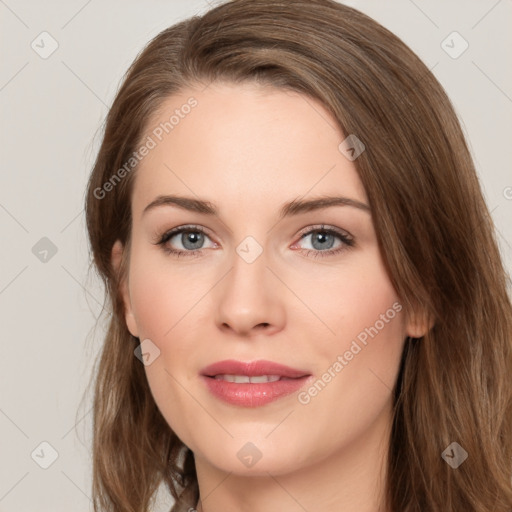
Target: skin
(249, 149)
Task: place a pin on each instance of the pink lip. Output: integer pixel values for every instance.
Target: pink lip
(252, 368)
(249, 394)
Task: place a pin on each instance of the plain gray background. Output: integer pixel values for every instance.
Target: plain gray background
(52, 109)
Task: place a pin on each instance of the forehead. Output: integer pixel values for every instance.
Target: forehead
(243, 143)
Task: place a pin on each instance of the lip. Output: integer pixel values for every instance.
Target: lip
(252, 394)
(252, 368)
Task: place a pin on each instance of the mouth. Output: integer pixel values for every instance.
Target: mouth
(252, 384)
(260, 368)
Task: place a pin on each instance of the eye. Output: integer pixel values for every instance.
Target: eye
(326, 241)
(190, 240)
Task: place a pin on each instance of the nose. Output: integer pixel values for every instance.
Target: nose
(249, 299)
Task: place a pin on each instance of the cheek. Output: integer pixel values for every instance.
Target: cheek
(164, 303)
(162, 295)
(353, 301)
(357, 363)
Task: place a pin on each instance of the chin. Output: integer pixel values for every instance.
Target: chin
(243, 457)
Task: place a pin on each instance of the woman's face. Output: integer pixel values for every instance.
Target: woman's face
(264, 278)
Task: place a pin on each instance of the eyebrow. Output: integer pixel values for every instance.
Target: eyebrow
(295, 207)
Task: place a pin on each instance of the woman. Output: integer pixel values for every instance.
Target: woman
(247, 365)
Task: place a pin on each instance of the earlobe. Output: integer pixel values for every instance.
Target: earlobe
(116, 259)
(418, 324)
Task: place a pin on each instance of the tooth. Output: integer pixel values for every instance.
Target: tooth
(259, 379)
(264, 378)
(241, 379)
(245, 379)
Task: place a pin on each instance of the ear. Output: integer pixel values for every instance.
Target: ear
(116, 259)
(418, 323)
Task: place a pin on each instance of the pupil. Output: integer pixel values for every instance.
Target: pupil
(192, 239)
(322, 237)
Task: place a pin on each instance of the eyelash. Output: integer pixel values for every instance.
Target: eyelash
(347, 241)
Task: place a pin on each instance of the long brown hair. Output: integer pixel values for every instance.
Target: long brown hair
(434, 229)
